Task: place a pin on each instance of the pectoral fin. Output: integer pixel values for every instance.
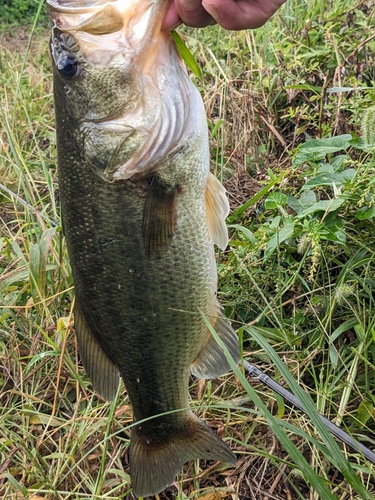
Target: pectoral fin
(102, 372)
(211, 362)
(159, 217)
(217, 206)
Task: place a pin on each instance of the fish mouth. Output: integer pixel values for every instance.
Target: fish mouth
(134, 18)
(103, 27)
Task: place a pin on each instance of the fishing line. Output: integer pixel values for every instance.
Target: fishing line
(290, 398)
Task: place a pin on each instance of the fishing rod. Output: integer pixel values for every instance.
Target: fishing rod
(288, 396)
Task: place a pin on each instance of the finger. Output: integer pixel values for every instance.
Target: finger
(241, 14)
(171, 19)
(192, 13)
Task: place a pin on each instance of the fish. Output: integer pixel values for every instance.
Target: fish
(141, 214)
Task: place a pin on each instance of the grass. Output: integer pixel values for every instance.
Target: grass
(287, 106)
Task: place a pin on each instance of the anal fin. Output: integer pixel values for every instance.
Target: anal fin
(211, 362)
(154, 464)
(159, 217)
(102, 372)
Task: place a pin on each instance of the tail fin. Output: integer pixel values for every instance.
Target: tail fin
(155, 464)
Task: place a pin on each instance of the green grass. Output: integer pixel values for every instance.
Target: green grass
(15, 12)
(287, 105)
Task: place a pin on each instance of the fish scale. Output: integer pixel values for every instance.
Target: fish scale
(141, 213)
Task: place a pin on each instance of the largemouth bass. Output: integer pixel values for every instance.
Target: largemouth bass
(141, 214)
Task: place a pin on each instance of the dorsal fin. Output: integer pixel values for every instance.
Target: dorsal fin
(217, 206)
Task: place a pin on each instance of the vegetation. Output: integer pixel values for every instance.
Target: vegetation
(290, 110)
(14, 12)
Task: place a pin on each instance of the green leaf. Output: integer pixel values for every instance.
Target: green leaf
(275, 223)
(306, 199)
(186, 55)
(34, 265)
(61, 456)
(280, 405)
(365, 213)
(335, 90)
(215, 128)
(273, 335)
(275, 200)
(360, 144)
(364, 412)
(294, 204)
(45, 242)
(325, 168)
(324, 205)
(242, 209)
(317, 149)
(38, 357)
(338, 160)
(16, 484)
(344, 327)
(333, 233)
(278, 238)
(328, 179)
(331, 228)
(304, 86)
(249, 235)
(327, 145)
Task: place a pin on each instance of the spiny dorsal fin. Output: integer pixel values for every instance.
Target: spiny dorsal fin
(211, 362)
(102, 372)
(154, 467)
(159, 217)
(217, 206)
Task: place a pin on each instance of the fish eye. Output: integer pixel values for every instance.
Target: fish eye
(67, 66)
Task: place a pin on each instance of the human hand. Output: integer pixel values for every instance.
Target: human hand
(230, 14)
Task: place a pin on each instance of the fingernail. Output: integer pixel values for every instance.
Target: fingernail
(211, 10)
(189, 4)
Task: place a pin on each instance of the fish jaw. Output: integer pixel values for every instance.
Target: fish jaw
(127, 90)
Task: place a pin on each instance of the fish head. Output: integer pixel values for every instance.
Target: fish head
(119, 79)
(97, 95)
(93, 91)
